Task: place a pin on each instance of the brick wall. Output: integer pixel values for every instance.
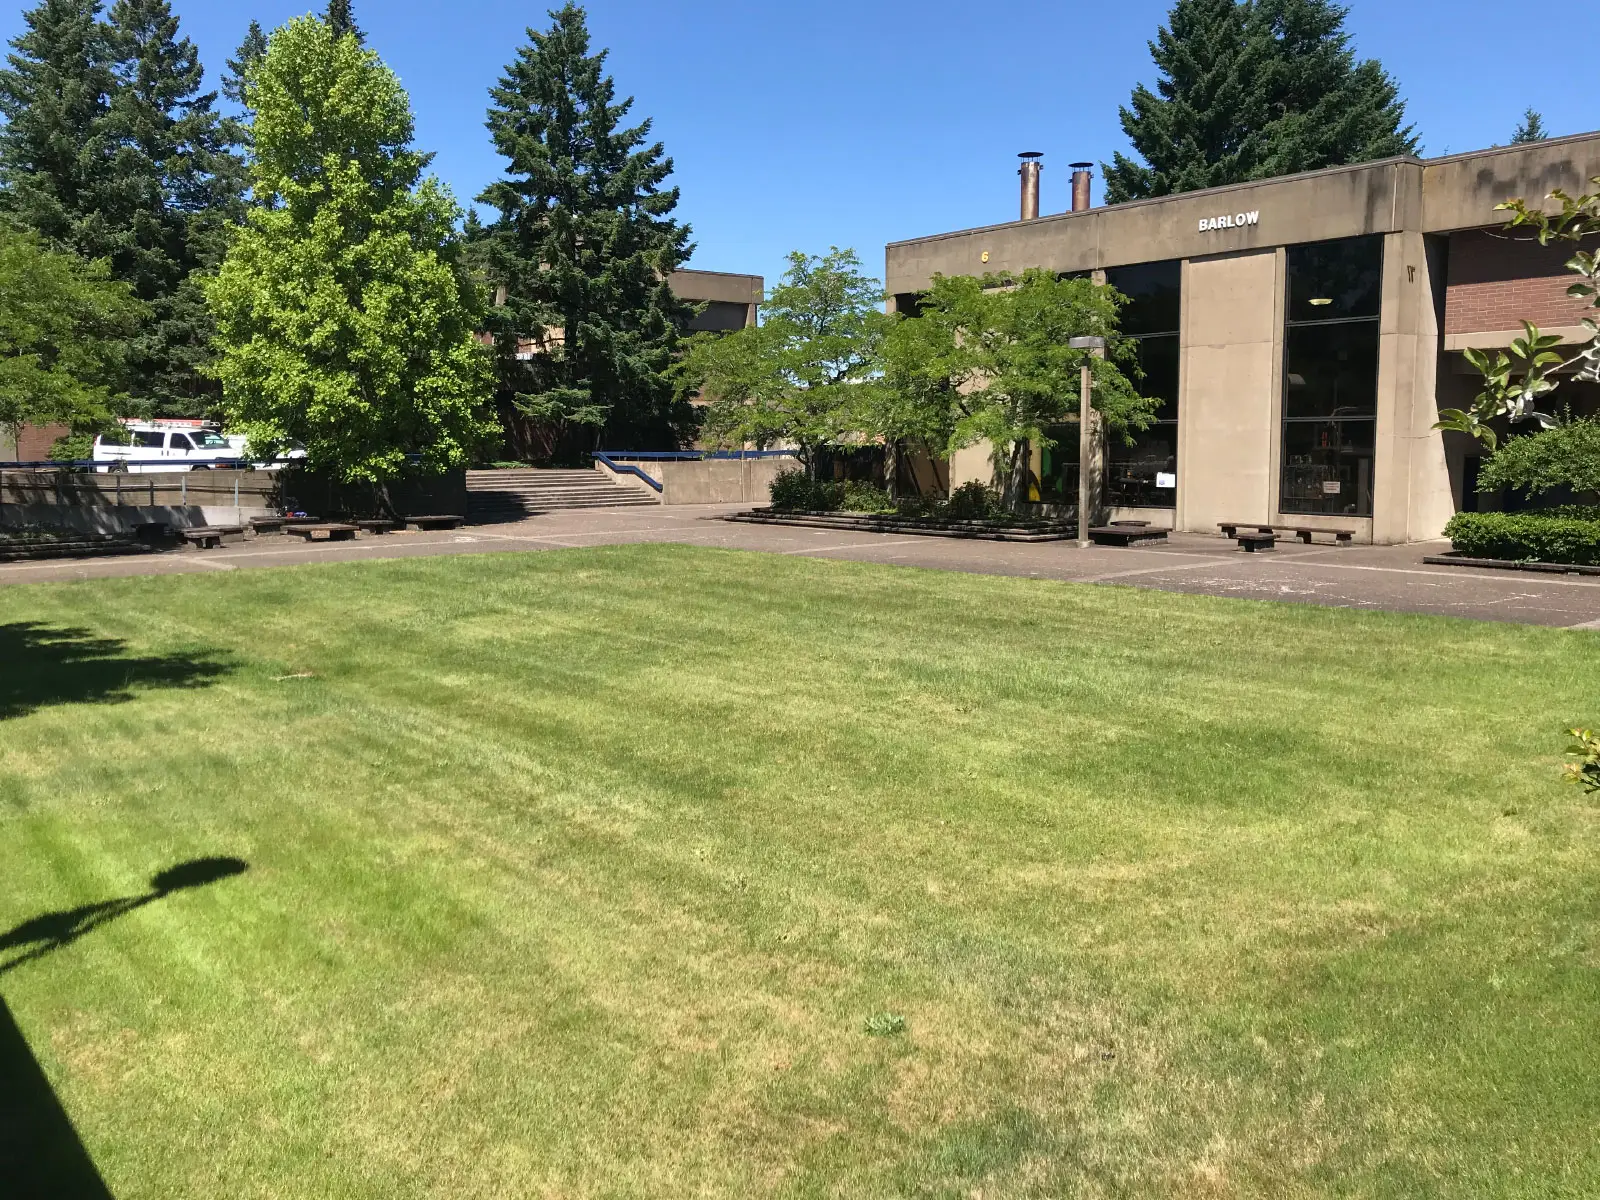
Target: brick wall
(34, 444)
(1497, 281)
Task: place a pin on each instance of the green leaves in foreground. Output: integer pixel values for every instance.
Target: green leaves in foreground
(346, 321)
(1586, 770)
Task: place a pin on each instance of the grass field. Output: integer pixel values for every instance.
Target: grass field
(615, 873)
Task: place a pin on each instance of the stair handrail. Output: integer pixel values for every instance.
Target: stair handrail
(617, 468)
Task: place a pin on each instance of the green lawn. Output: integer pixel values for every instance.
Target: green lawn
(581, 874)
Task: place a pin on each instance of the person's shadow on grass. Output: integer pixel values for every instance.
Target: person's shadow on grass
(44, 664)
(48, 932)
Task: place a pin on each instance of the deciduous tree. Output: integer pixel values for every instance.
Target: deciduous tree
(345, 319)
(63, 334)
(988, 360)
(807, 375)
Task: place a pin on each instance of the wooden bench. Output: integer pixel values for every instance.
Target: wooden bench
(326, 531)
(1251, 542)
(376, 525)
(435, 521)
(209, 537)
(1129, 533)
(267, 525)
(1342, 537)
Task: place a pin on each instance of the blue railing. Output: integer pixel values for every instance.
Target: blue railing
(615, 460)
(690, 455)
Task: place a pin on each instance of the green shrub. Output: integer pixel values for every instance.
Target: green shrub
(1566, 456)
(972, 501)
(792, 491)
(865, 498)
(1569, 535)
(72, 448)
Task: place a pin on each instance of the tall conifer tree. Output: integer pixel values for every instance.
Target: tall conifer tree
(237, 69)
(54, 96)
(1251, 89)
(342, 20)
(111, 150)
(584, 245)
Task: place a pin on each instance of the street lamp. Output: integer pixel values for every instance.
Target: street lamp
(1096, 346)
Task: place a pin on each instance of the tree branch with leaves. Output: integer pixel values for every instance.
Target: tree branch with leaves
(1516, 381)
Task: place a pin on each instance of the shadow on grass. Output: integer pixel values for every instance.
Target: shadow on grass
(38, 936)
(46, 665)
(41, 1154)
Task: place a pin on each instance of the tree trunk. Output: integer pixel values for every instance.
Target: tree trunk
(1011, 496)
(891, 468)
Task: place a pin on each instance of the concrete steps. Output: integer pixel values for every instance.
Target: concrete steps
(495, 497)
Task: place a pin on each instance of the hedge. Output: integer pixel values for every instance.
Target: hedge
(1569, 535)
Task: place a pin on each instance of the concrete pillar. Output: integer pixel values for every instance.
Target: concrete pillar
(1411, 498)
(1228, 404)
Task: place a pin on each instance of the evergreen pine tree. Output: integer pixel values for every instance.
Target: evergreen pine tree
(173, 188)
(342, 20)
(54, 97)
(238, 68)
(1530, 130)
(1252, 89)
(584, 244)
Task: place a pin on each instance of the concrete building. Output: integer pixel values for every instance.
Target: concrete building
(731, 301)
(1302, 331)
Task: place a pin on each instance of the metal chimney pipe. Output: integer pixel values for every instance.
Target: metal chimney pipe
(1029, 170)
(1081, 174)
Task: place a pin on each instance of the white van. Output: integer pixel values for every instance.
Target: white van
(147, 447)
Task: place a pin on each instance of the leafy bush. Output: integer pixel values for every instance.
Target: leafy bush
(972, 501)
(865, 498)
(793, 491)
(1566, 456)
(1569, 535)
(72, 448)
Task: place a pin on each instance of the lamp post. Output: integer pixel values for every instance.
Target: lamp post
(1096, 346)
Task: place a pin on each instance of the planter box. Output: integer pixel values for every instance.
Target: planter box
(994, 531)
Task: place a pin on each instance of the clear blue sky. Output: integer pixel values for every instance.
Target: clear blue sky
(804, 125)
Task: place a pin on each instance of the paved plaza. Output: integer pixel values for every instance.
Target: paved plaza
(1377, 577)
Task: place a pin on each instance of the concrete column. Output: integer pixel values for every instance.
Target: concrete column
(1411, 499)
(1230, 360)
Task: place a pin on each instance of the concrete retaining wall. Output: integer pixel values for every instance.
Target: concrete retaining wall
(116, 503)
(707, 480)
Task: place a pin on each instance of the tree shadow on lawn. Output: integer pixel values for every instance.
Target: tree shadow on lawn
(43, 664)
(41, 1154)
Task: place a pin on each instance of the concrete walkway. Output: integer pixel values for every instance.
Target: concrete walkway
(1378, 577)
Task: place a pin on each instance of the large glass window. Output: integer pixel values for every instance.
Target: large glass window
(1145, 474)
(1330, 377)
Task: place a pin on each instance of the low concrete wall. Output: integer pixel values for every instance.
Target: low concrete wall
(113, 519)
(720, 480)
(116, 503)
(707, 480)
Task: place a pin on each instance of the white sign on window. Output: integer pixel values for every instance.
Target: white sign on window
(1331, 487)
(1165, 479)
